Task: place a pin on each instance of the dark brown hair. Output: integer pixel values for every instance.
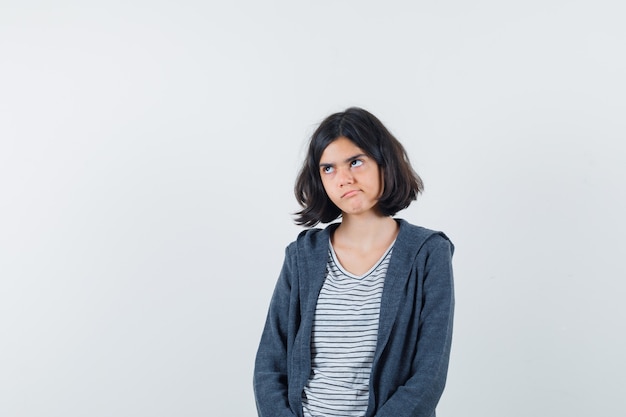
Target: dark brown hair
(401, 184)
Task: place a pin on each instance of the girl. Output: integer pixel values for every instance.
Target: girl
(360, 322)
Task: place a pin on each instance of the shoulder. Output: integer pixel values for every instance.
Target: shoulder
(312, 240)
(308, 254)
(422, 239)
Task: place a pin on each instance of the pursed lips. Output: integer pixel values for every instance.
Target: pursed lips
(349, 193)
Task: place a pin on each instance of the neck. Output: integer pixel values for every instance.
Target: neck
(366, 229)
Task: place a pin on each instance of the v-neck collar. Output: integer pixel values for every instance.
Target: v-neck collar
(343, 270)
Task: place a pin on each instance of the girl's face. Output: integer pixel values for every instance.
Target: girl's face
(351, 178)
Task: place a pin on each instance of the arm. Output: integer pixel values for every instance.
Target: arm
(419, 395)
(270, 373)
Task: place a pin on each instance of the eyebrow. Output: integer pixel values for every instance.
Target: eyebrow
(352, 158)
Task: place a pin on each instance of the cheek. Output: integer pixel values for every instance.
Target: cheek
(325, 184)
(381, 182)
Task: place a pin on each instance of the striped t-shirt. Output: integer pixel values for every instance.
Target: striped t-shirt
(345, 330)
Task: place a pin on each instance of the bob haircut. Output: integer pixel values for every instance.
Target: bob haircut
(401, 184)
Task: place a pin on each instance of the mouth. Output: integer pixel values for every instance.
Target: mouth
(349, 193)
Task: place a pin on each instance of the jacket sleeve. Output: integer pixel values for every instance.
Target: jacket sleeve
(419, 395)
(270, 371)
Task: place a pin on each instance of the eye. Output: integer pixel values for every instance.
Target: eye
(356, 163)
(327, 169)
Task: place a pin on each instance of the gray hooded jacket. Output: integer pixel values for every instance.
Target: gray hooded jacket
(415, 329)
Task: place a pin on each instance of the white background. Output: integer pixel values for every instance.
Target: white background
(148, 151)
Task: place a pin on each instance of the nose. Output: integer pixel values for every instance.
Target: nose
(344, 176)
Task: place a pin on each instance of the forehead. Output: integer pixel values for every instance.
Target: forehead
(340, 149)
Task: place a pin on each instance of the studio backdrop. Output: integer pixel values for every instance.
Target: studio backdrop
(148, 152)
